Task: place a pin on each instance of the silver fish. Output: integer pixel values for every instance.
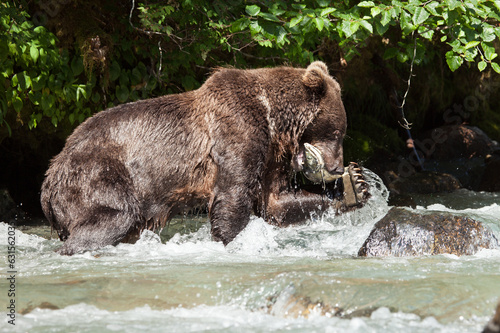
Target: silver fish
(314, 166)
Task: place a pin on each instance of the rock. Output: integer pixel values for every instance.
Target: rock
(494, 324)
(456, 141)
(8, 209)
(42, 305)
(459, 150)
(425, 182)
(452, 155)
(405, 233)
(291, 304)
(491, 177)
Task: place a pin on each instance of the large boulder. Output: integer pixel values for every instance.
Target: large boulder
(456, 142)
(459, 150)
(405, 233)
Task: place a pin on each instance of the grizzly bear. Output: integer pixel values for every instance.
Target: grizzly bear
(233, 144)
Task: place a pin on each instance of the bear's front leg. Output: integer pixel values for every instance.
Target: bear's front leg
(229, 212)
(297, 205)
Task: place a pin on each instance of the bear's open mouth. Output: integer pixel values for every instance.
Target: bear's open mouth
(314, 166)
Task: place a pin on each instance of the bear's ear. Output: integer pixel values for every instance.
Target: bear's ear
(315, 76)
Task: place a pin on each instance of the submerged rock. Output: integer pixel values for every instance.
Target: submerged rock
(405, 233)
(292, 304)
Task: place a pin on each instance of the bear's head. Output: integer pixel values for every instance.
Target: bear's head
(325, 133)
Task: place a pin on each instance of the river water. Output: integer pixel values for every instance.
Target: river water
(299, 279)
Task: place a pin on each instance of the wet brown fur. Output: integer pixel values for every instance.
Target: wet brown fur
(229, 144)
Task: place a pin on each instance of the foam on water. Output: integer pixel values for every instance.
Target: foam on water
(224, 319)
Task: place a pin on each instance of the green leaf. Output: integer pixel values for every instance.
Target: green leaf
(298, 6)
(420, 15)
(14, 81)
(46, 103)
(122, 93)
(136, 76)
(406, 22)
(470, 44)
(375, 11)
(402, 57)
(22, 81)
(390, 53)
(354, 26)
(80, 92)
(252, 10)
(96, 97)
(77, 66)
(381, 29)
(37, 83)
(319, 23)
(189, 82)
(367, 25)
(326, 11)
(34, 53)
(481, 66)
(488, 34)
(17, 103)
(269, 17)
(114, 71)
(124, 78)
(277, 11)
(366, 4)
(281, 35)
(386, 17)
(323, 3)
(470, 54)
(453, 61)
(240, 25)
(255, 28)
(295, 21)
(33, 121)
(431, 7)
(426, 33)
(452, 4)
(40, 29)
(497, 4)
(346, 28)
(489, 51)
(495, 67)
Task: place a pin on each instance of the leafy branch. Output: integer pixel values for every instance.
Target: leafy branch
(468, 28)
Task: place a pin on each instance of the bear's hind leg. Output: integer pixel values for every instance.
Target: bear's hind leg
(103, 226)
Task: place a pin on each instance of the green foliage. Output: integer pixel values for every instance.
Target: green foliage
(168, 47)
(468, 28)
(35, 75)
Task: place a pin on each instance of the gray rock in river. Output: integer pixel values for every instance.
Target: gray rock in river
(405, 233)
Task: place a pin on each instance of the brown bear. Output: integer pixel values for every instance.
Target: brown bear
(232, 144)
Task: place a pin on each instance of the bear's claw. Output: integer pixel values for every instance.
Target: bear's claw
(355, 187)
